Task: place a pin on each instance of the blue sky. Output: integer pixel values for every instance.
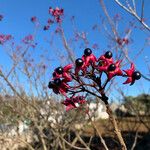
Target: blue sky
(17, 14)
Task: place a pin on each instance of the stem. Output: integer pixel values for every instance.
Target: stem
(117, 131)
(99, 134)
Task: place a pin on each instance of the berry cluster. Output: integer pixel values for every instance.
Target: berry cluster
(57, 14)
(89, 67)
(4, 38)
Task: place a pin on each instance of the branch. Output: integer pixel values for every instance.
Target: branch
(109, 19)
(117, 131)
(133, 13)
(135, 141)
(99, 134)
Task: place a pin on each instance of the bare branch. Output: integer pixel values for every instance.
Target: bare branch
(133, 13)
(135, 141)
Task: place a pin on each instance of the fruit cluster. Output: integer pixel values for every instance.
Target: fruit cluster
(90, 67)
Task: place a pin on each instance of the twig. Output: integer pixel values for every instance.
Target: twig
(117, 131)
(142, 11)
(109, 19)
(80, 139)
(135, 141)
(132, 12)
(71, 145)
(68, 49)
(99, 134)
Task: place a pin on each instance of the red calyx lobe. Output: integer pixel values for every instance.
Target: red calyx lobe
(132, 75)
(72, 102)
(63, 73)
(117, 71)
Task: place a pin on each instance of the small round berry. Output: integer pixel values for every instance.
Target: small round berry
(112, 67)
(87, 52)
(108, 54)
(51, 84)
(79, 62)
(59, 70)
(57, 81)
(136, 75)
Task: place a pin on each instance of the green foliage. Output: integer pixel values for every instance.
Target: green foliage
(138, 105)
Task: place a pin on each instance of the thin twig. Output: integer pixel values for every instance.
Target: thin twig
(132, 12)
(135, 141)
(99, 134)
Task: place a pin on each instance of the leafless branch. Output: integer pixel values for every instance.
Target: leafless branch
(133, 13)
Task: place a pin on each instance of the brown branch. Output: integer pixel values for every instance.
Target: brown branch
(117, 131)
(82, 142)
(99, 134)
(135, 141)
(71, 145)
(68, 49)
(109, 19)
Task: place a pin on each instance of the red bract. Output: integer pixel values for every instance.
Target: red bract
(60, 88)
(72, 103)
(105, 61)
(56, 13)
(77, 69)
(80, 65)
(63, 87)
(117, 71)
(129, 73)
(64, 74)
(89, 60)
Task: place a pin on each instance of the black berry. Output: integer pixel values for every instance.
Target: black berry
(112, 67)
(108, 54)
(87, 52)
(57, 82)
(79, 62)
(59, 70)
(51, 84)
(136, 75)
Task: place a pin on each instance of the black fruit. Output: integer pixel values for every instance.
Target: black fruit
(87, 52)
(79, 62)
(112, 67)
(51, 84)
(136, 75)
(57, 82)
(108, 54)
(59, 70)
